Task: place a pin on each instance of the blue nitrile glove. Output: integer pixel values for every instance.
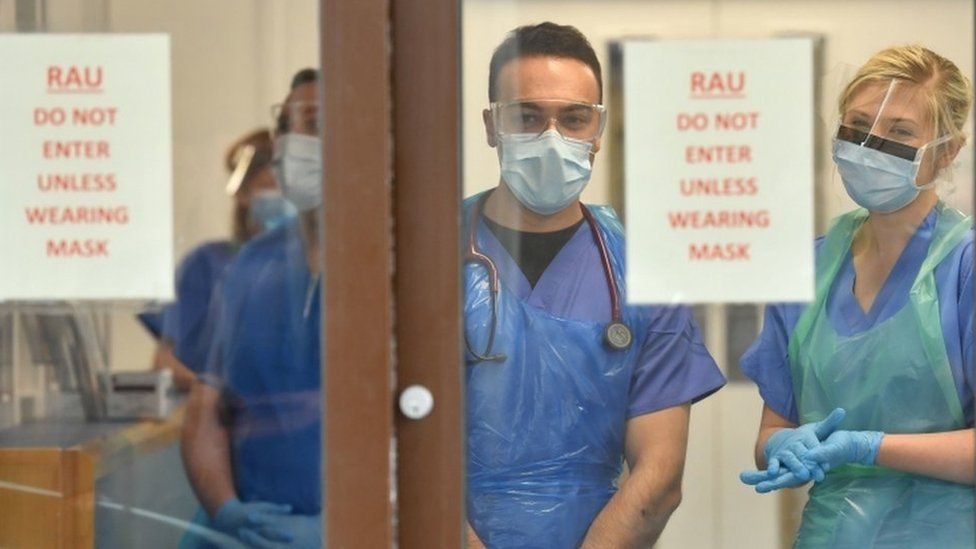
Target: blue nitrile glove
(764, 482)
(234, 515)
(843, 447)
(787, 447)
(303, 532)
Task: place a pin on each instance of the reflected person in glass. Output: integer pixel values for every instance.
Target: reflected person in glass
(251, 442)
(563, 380)
(258, 206)
(869, 389)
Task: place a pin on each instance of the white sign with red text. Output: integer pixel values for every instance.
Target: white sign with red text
(719, 170)
(85, 167)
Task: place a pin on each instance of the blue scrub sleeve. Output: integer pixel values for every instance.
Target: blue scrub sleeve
(767, 362)
(153, 322)
(673, 366)
(187, 319)
(965, 311)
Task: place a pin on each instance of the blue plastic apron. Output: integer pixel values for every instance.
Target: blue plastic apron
(271, 353)
(546, 425)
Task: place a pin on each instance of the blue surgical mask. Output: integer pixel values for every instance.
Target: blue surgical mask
(878, 181)
(269, 209)
(546, 172)
(297, 166)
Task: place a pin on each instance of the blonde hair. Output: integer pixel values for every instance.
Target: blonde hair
(950, 94)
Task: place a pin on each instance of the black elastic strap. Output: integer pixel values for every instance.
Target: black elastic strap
(881, 144)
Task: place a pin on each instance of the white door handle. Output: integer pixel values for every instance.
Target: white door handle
(416, 402)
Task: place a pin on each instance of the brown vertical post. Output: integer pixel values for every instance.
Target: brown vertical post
(430, 451)
(357, 288)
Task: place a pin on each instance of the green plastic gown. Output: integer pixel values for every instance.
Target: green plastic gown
(895, 378)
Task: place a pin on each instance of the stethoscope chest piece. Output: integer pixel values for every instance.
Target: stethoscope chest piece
(618, 336)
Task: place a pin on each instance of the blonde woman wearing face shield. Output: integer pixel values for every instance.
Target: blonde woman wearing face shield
(868, 390)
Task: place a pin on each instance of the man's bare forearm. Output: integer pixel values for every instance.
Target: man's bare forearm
(165, 359)
(637, 514)
(655, 449)
(205, 447)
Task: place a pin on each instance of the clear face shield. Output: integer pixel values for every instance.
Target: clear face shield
(242, 164)
(258, 202)
(888, 145)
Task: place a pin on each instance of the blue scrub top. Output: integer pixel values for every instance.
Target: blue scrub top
(673, 366)
(184, 321)
(265, 359)
(152, 320)
(767, 362)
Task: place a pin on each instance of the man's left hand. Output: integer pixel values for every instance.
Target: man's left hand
(303, 532)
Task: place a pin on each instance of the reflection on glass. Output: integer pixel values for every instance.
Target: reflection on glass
(564, 379)
(868, 388)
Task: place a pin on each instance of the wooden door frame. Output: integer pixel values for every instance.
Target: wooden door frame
(357, 322)
(427, 191)
(391, 157)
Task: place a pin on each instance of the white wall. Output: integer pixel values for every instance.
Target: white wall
(719, 512)
(7, 21)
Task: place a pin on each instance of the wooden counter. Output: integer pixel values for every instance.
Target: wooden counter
(49, 471)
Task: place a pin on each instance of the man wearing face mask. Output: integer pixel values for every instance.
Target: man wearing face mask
(258, 206)
(251, 442)
(564, 380)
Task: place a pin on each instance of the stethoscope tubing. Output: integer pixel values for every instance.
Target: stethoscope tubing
(474, 255)
(605, 259)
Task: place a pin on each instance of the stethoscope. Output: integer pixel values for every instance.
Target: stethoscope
(616, 334)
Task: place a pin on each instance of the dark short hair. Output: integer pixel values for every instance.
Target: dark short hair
(304, 76)
(543, 40)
